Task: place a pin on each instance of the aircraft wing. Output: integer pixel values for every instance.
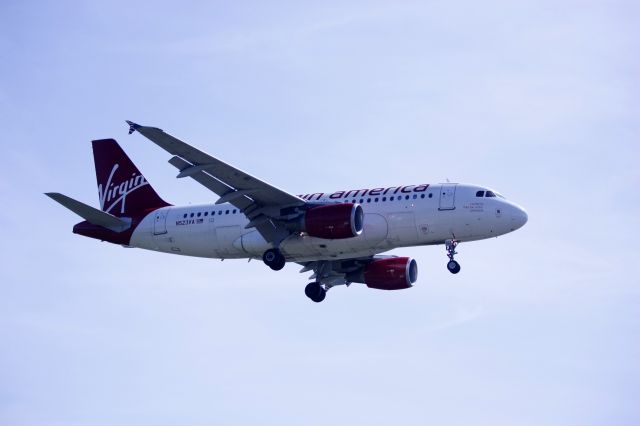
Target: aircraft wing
(261, 202)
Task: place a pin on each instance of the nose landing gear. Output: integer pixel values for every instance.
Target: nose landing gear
(452, 265)
(274, 259)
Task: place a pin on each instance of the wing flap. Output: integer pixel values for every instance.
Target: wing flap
(237, 198)
(211, 183)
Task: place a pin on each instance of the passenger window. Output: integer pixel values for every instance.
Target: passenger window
(415, 196)
(421, 195)
(234, 211)
(368, 200)
(376, 200)
(353, 201)
(480, 194)
(227, 212)
(361, 200)
(185, 216)
(191, 215)
(430, 195)
(489, 194)
(199, 214)
(384, 199)
(206, 213)
(406, 197)
(219, 212)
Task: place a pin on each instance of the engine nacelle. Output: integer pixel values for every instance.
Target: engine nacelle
(393, 273)
(334, 221)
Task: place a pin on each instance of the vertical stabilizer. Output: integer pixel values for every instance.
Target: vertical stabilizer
(122, 189)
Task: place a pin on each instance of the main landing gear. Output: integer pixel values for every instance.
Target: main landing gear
(315, 292)
(452, 265)
(274, 259)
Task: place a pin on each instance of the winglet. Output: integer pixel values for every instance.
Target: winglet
(132, 126)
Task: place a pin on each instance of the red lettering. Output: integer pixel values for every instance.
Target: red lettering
(355, 192)
(338, 194)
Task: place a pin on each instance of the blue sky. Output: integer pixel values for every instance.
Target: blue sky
(537, 99)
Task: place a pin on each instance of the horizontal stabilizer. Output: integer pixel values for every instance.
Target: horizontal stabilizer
(91, 214)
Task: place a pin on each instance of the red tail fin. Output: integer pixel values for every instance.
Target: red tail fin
(122, 189)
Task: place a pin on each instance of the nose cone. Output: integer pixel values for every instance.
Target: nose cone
(518, 218)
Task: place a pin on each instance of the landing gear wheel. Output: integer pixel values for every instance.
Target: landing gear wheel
(274, 259)
(280, 264)
(453, 267)
(315, 292)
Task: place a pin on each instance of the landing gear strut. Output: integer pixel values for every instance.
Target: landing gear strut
(452, 265)
(315, 292)
(274, 259)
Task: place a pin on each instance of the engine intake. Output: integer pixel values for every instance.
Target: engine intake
(334, 221)
(393, 273)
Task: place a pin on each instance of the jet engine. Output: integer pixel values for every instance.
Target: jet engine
(334, 221)
(393, 273)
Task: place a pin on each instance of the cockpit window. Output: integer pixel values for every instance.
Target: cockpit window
(490, 194)
(480, 194)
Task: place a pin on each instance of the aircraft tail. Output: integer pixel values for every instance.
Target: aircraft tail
(122, 189)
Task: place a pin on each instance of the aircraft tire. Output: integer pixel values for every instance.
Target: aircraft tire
(274, 259)
(453, 267)
(279, 264)
(315, 292)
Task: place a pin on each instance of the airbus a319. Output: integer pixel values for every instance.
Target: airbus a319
(338, 236)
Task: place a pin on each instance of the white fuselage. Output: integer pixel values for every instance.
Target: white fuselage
(392, 219)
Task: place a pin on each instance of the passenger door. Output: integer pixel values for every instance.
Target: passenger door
(447, 196)
(160, 221)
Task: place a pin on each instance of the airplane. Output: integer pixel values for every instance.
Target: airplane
(339, 236)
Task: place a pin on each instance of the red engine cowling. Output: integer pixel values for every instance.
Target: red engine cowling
(393, 273)
(334, 221)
